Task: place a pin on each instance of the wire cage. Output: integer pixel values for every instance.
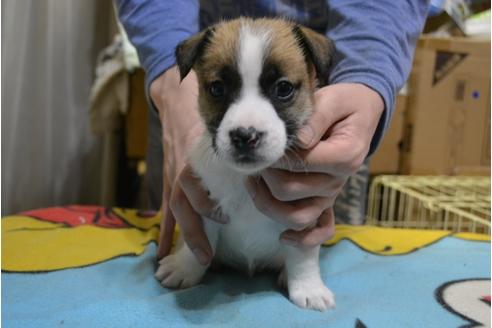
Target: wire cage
(456, 203)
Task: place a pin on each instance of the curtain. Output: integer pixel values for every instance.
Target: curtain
(49, 50)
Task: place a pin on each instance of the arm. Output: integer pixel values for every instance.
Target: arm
(375, 43)
(155, 28)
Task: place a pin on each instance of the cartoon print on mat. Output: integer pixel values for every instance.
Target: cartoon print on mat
(77, 215)
(75, 236)
(469, 299)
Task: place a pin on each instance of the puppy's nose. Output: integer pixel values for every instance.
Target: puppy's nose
(245, 140)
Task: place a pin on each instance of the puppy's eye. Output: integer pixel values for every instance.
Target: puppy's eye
(284, 90)
(217, 88)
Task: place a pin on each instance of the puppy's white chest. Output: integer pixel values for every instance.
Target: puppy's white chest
(250, 240)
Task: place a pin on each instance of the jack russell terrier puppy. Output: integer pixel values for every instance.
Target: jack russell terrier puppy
(256, 82)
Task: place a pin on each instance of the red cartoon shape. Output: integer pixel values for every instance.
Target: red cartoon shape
(73, 216)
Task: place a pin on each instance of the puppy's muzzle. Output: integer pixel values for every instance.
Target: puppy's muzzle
(245, 140)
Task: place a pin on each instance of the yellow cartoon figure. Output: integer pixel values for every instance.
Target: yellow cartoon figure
(75, 236)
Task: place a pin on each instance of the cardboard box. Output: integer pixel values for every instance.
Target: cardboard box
(386, 159)
(447, 123)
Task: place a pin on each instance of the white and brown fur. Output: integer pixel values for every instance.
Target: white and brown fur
(249, 57)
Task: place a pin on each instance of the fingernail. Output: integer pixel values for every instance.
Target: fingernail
(201, 256)
(306, 136)
(289, 241)
(250, 187)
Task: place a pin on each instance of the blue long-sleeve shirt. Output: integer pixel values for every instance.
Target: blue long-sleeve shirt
(374, 40)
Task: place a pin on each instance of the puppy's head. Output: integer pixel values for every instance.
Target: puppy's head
(256, 82)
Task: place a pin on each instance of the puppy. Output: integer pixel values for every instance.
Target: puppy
(256, 82)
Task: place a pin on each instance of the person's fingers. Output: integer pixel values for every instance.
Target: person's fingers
(296, 215)
(334, 103)
(289, 186)
(323, 231)
(337, 155)
(191, 226)
(326, 113)
(166, 235)
(198, 197)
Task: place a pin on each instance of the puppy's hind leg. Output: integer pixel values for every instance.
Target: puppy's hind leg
(181, 269)
(306, 289)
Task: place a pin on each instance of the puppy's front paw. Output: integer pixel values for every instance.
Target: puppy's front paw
(176, 271)
(311, 295)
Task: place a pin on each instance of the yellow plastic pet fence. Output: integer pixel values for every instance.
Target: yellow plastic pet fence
(459, 204)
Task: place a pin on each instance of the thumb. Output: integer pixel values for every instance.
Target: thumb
(322, 118)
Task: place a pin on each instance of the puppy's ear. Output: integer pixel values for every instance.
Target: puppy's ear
(190, 50)
(318, 50)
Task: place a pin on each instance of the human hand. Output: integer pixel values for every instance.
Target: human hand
(184, 199)
(299, 190)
